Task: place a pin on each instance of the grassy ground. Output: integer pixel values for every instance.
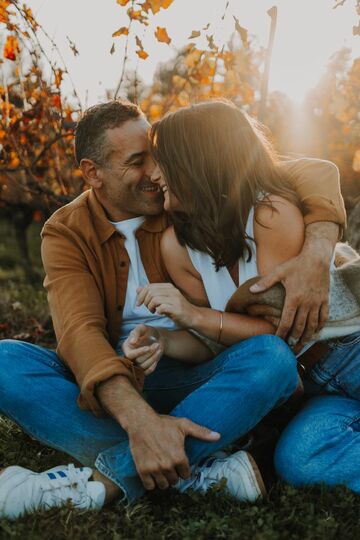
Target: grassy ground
(286, 513)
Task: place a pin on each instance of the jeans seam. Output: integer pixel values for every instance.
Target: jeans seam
(103, 469)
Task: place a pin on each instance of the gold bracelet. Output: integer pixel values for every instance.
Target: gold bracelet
(220, 326)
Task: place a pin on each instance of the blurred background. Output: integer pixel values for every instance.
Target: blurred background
(294, 65)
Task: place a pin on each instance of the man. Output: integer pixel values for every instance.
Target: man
(92, 265)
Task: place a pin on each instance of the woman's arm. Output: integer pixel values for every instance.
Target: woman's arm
(279, 234)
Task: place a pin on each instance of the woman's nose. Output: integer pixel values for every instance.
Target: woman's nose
(156, 174)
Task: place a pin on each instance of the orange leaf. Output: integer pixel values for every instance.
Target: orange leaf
(4, 15)
(194, 34)
(58, 77)
(122, 2)
(142, 54)
(162, 35)
(123, 31)
(11, 48)
(156, 5)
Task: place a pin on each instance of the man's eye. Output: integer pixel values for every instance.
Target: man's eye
(139, 163)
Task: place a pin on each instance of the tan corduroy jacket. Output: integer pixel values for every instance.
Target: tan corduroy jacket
(86, 268)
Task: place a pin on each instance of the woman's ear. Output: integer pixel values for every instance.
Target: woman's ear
(90, 173)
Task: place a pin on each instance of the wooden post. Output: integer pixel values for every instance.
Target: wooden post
(272, 12)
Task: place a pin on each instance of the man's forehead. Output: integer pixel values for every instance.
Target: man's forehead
(132, 135)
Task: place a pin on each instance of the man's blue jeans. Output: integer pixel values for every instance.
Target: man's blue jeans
(322, 443)
(229, 394)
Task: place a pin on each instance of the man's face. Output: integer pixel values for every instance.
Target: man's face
(126, 186)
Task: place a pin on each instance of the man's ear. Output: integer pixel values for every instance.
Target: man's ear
(90, 173)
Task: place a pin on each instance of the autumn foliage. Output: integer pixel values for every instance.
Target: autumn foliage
(37, 121)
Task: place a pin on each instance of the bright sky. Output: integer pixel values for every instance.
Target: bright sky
(308, 32)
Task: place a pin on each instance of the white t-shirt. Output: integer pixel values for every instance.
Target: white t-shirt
(133, 314)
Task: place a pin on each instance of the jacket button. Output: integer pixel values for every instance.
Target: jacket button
(122, 264)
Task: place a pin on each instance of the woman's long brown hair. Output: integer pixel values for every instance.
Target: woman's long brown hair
(217, 162)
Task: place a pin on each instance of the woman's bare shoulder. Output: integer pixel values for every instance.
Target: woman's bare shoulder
(279, 232)
(278, 213)
(180, 268)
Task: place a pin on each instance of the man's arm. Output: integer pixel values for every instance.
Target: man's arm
(77, 310)
(156, 441)
(306, 277)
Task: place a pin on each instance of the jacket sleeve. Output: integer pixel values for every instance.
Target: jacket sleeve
(77, 309)
(317, 183)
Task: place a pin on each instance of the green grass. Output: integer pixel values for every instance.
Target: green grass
(286, 513)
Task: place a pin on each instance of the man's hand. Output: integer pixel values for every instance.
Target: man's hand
(156, 441)
(145, 346)
(306, 281)
(165, 299)
(157, 447)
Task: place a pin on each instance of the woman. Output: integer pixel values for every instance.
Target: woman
(226, 194)
(234, 216)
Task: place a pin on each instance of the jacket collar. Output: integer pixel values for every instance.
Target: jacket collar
(105, 229)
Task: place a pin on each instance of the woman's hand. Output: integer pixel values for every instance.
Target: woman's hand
(145, 346)
(165, 299)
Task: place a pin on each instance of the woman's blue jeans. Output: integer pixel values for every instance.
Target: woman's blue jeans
(229, 394)
(322, 443)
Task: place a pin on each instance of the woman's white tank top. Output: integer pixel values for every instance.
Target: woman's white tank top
(219, 286)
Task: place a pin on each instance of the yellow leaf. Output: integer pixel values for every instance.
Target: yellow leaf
(123, 31)
(142, 54)
(162, 35)
(122, 2)
(156, 5)
(58, 77)
(194, 34)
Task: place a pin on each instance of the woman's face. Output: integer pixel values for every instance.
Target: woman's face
(171, 203)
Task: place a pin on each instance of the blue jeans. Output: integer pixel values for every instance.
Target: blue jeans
(229, 394)
(322, 443)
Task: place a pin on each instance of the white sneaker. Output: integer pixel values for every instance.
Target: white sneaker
(23, 491)
(243, 478)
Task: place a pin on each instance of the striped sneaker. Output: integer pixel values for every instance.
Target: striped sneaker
(23, 491)
(243, 478)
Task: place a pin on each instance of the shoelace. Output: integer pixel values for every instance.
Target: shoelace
(73, 478)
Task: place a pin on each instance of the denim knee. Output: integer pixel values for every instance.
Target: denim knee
(275, 365)
(10, 349)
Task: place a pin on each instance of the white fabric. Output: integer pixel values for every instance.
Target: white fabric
(219, 286)
(134, 315)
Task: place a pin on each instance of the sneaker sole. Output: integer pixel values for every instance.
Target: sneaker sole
(257, 474)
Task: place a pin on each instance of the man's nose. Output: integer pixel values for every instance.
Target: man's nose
(155, 176)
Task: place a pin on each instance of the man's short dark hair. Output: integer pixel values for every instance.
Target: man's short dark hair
(90, 140)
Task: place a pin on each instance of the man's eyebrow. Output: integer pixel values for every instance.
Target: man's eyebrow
(135, 156)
